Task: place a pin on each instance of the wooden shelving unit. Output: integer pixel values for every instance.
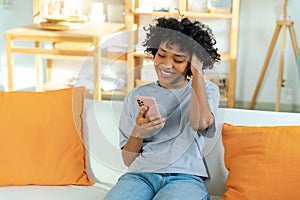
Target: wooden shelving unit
(132, 22)
(104, 55)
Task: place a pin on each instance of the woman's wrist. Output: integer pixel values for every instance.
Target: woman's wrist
(137, 132)
(198, 77)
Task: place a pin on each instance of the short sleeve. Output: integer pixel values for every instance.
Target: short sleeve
(127, 121)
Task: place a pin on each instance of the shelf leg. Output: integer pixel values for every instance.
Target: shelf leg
(39, 70)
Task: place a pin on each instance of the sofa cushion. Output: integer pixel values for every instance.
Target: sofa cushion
(69, 192)
(41, 138)
(263, 162)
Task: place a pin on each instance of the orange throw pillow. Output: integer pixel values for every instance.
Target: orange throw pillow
(263, 162)
(41, 138)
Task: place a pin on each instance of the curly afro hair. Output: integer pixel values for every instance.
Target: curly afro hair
(192, 37)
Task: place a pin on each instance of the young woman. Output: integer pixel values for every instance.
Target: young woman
(164, 153)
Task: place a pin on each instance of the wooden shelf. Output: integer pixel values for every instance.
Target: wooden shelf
(142, 55)
(224, 55)
(175, 14)
(219, 13)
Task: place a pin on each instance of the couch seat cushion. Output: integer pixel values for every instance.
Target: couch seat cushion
(94, 192)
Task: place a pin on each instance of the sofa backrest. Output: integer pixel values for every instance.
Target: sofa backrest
(104, 162)
(101, 137)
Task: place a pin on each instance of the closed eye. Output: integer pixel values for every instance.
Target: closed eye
(179, 61)
(160, 55)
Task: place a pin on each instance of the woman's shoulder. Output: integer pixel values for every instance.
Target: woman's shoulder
(141, 90)
(211, 85)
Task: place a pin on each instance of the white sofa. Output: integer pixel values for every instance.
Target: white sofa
(104, 163)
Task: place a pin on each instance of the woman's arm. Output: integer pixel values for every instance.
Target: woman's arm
(132, 148)
(143, 125)
(200, 114)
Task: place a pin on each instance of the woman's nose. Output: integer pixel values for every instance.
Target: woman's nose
(168, 63)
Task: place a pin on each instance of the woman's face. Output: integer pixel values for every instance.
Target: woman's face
(171, 65)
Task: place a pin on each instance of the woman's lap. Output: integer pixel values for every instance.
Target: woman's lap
(144, 186)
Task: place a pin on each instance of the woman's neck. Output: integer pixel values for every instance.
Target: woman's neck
(174, 86)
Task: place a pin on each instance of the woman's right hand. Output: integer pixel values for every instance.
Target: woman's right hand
(144, 124)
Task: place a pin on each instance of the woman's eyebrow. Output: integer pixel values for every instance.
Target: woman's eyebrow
(181, 56)
(162, 49)
(177, 55)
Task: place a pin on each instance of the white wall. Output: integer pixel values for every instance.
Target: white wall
(19, 13)
(257, 24)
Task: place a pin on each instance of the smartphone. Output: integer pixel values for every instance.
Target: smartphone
(149, 102)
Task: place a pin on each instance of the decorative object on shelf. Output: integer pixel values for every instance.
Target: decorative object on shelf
(115, 13)
(145, 6)
(161, 6)
(61, 8)
(211, 6)
(221, 80)
(62, 25)
(154, 6)
(197, 5)
(6, 5)
(283, 24)
(97, 15)
(61, 15)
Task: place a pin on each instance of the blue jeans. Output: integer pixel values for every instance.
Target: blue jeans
(154, 186)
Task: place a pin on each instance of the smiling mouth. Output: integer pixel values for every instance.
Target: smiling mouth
(166, 73)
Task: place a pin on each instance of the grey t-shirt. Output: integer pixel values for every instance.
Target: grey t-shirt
(176, 148)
